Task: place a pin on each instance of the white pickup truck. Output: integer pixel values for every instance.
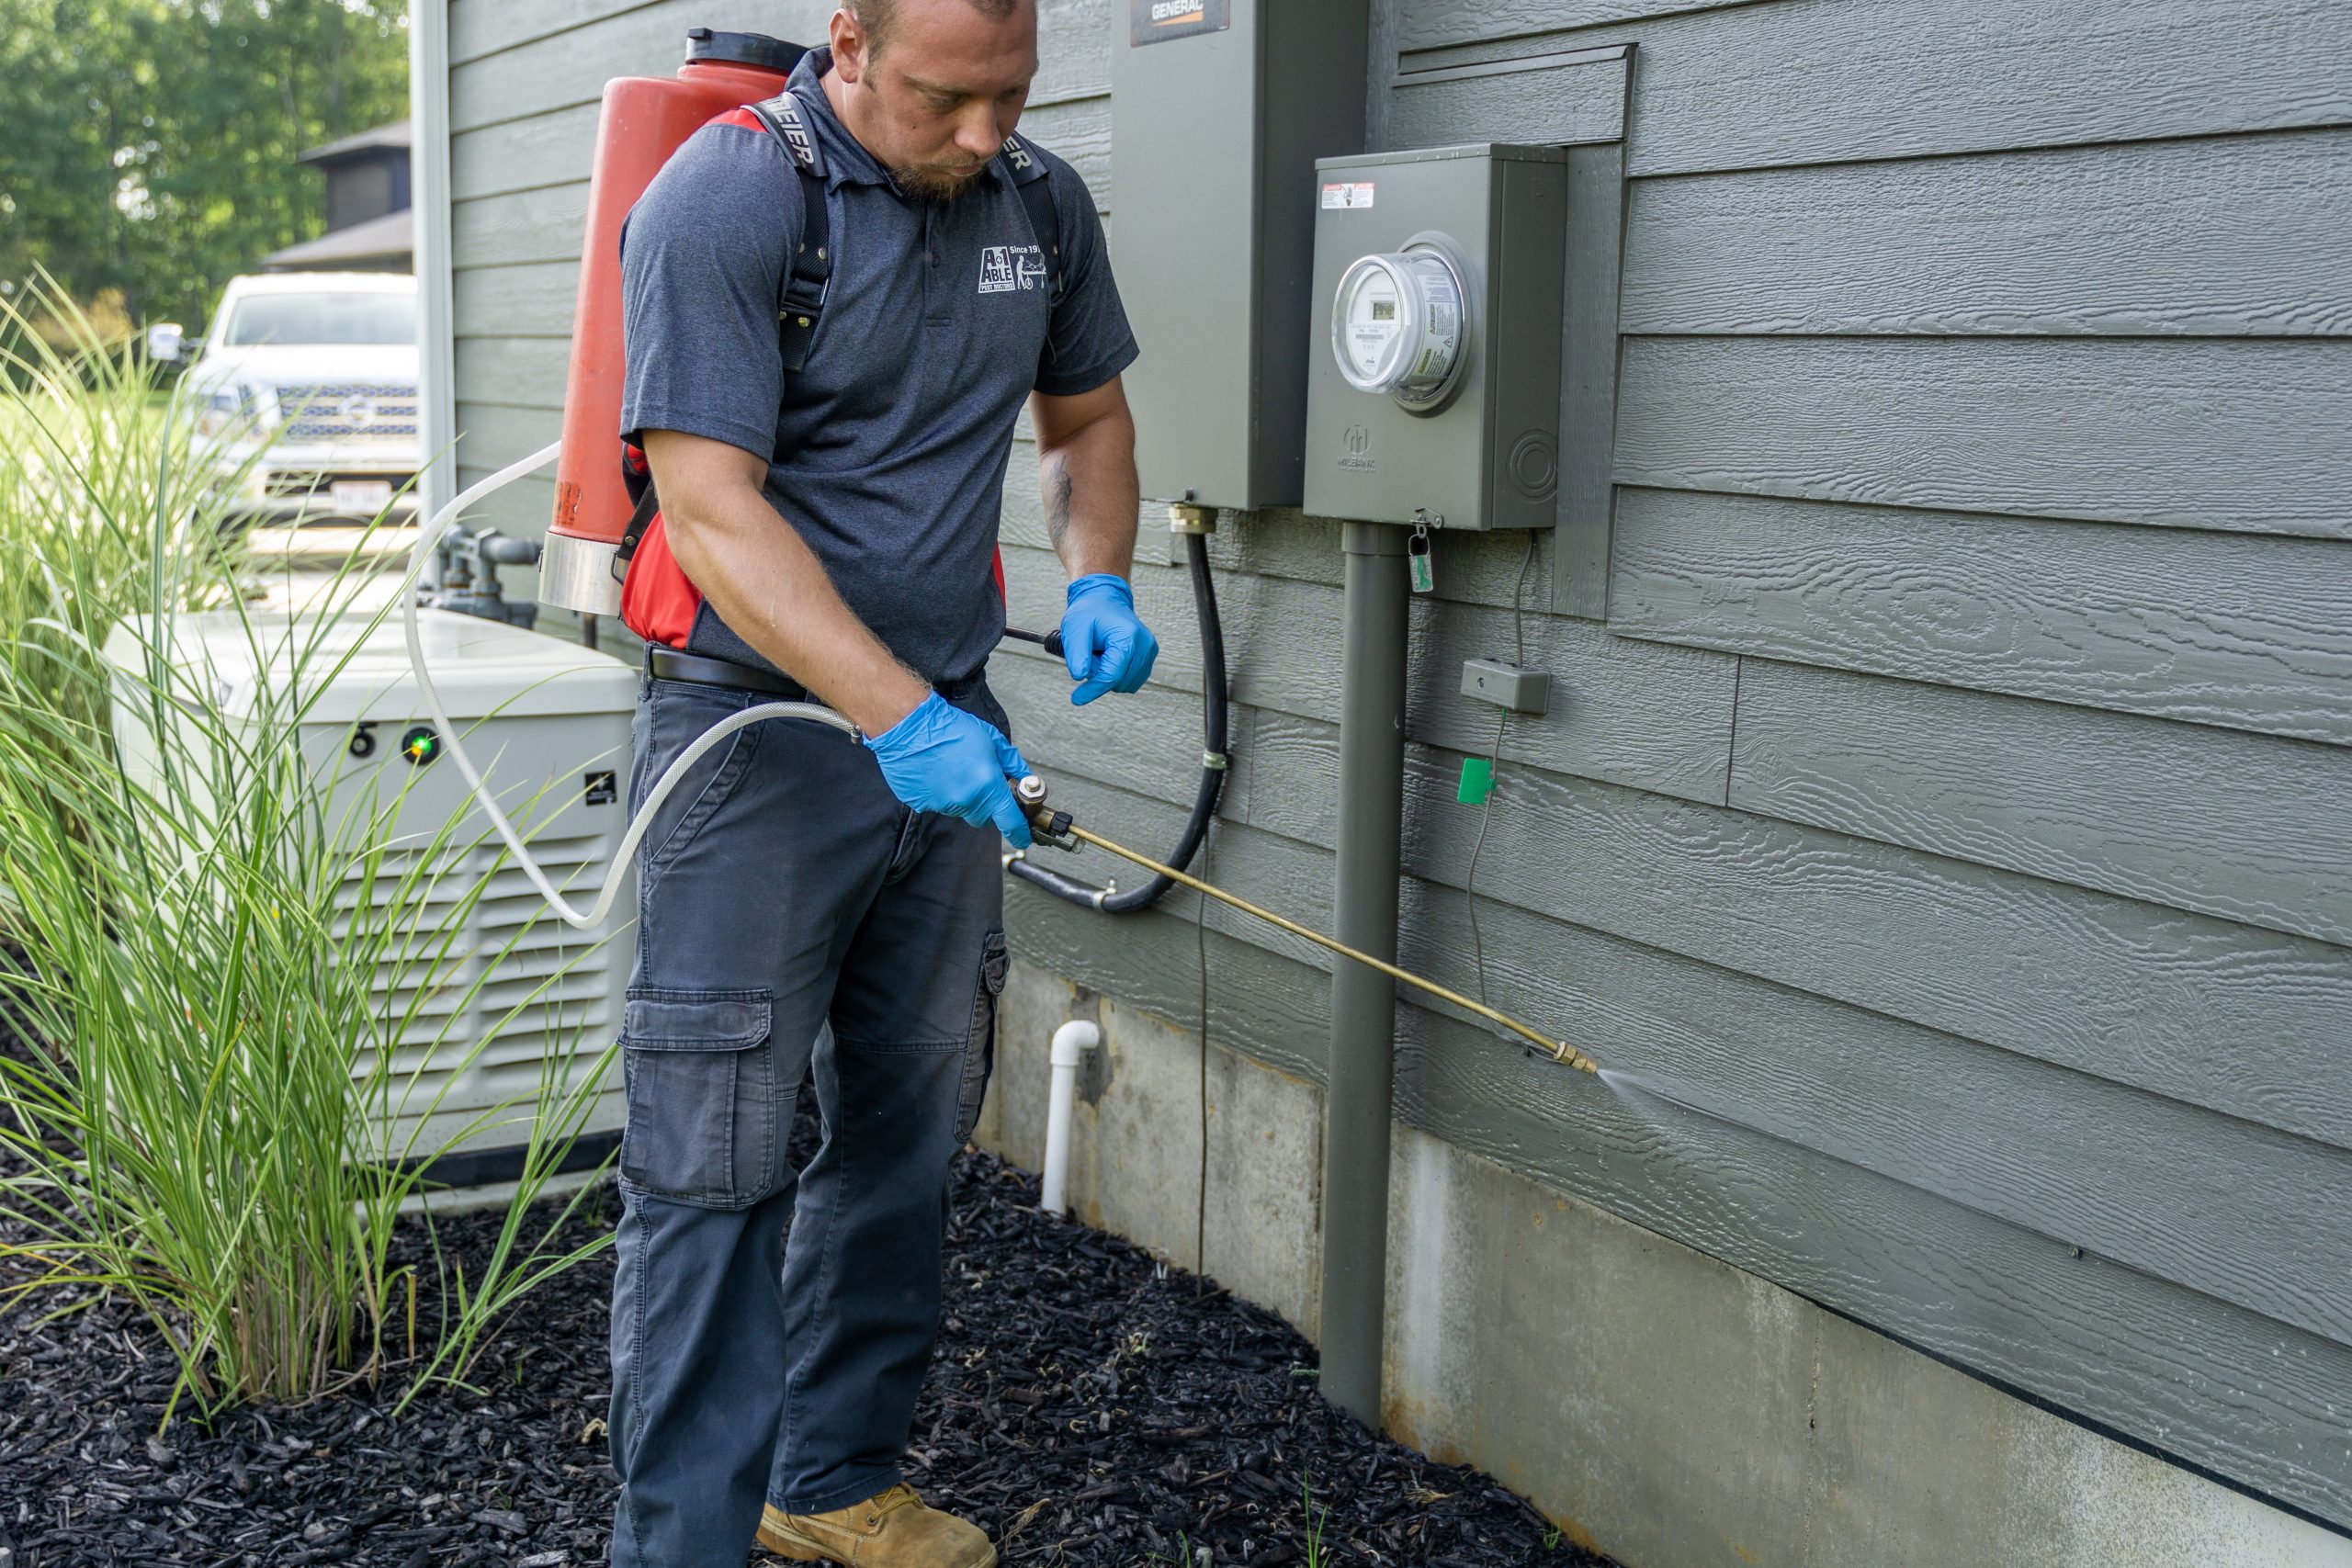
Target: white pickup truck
(317, 372)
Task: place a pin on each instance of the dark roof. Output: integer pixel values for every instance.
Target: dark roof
(390, 239)
(392, 135)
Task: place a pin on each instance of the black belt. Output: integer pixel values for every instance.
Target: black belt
(665, 664)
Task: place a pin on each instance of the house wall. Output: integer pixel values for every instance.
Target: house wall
(1951, 802)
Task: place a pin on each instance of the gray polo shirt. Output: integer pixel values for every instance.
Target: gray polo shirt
(887, 451)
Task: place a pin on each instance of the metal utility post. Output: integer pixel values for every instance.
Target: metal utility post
(1363, 1000)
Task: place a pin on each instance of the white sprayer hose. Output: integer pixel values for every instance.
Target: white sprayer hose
(426, 543)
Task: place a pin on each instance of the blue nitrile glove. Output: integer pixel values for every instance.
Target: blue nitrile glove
(941, 759)
(1106, 647)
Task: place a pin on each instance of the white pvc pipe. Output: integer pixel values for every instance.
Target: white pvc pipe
(1072, 1041)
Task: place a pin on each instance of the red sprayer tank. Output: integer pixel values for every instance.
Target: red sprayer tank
(645, 119)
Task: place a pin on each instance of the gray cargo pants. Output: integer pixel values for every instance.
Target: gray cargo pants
(783, 888)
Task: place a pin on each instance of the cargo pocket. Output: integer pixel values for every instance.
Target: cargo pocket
(700, 1076)
(980, 1038)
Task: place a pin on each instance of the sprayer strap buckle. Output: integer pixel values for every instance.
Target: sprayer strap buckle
(633, 531)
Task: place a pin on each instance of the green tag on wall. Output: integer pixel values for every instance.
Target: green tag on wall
(1477, 781)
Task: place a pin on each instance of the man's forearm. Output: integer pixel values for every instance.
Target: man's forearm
(1091, 495)
(772, 592)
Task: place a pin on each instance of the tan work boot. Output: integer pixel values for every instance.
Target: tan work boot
(891, 1529)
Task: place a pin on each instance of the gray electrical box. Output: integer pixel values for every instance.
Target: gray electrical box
(1434, 381)
(1219, 110)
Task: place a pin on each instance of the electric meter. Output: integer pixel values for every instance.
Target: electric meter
(1397, 325)
(1444, 272)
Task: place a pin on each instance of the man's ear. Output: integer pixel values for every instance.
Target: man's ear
(848, 39)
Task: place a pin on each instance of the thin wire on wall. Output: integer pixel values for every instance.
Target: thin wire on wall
(1494, 768)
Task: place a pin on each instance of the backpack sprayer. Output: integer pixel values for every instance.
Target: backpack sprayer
(644, 120)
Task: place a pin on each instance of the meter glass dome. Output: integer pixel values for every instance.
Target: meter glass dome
(1397, 326)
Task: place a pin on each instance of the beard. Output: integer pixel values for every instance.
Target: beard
(936, 182)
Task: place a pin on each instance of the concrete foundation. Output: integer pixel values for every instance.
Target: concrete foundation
(1661, 1406)
(1136, 1145)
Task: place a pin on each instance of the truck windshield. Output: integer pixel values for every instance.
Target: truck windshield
(323, 318)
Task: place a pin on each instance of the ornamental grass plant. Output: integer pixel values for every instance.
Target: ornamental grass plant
(95, 523)
(248, 986)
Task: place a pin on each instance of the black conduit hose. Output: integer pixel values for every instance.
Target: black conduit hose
(1213, 764)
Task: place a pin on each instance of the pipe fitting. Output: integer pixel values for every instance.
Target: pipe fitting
(1072, 1041)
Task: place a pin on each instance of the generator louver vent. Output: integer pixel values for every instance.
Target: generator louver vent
(509, 975)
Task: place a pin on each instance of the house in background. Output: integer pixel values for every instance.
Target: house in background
(1944, 783)
(369, 225)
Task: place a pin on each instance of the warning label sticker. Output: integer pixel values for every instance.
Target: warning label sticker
(1156, 21)
(1344, 194)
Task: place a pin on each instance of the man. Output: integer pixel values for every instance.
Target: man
(831, 528)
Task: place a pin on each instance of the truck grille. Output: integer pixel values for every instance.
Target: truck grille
(349, 411)
(284, 482)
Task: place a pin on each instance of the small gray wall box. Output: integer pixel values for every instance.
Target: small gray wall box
(1434, 381)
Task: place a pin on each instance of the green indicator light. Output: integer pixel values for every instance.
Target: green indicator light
(420, 745)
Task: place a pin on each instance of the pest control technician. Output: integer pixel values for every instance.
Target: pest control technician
(826, 426)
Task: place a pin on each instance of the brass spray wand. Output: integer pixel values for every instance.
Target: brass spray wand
(1058, 827)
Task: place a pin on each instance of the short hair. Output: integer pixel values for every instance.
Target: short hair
(879, 17)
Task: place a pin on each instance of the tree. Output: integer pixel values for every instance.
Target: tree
(147, 146)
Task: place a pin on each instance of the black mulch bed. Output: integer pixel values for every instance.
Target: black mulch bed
(1086, 1406)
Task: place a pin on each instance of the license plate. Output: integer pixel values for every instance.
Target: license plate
(367, 496)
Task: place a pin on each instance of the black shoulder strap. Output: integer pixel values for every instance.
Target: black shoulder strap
(1029, 178)
(803, 300)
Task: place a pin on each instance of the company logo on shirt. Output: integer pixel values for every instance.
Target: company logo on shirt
(1005, 269)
